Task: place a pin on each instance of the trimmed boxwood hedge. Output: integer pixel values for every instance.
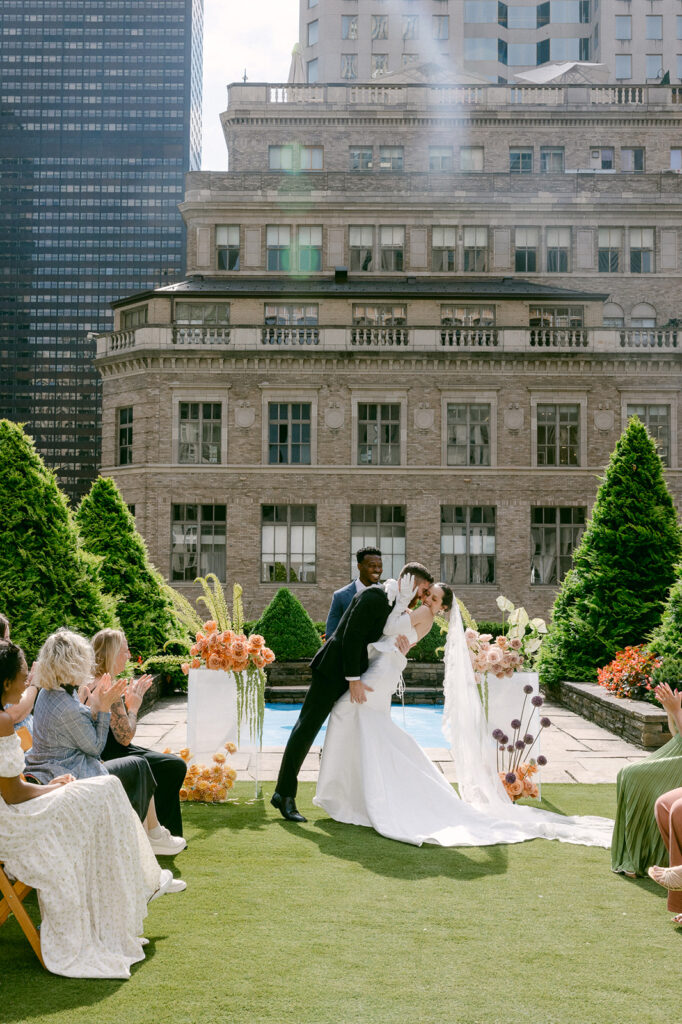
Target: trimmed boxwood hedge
(288, 629)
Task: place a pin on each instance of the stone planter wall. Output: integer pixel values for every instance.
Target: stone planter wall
(640, 723)
(288, 682)
(153, 694)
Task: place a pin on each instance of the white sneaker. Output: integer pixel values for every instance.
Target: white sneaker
(163, 843)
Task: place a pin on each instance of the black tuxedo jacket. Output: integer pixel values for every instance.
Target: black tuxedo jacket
(345, 652)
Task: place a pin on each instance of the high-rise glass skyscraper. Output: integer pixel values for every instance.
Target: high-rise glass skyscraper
(100, 118)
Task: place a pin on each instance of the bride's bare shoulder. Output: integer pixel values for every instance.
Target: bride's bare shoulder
(421, 616)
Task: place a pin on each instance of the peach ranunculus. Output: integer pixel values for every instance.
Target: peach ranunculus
(231, 748)
(239, 649)
(195, 663)
(215, 661)
(256, 642)
(515, 789)
(219, 758)
(183, 793)
(185, 754)
(269, 655)
(211, 626)
(230, 773)
(534, 792)
(515, 643)
(185, 668)
(501, 641)
(494, 656)
(258, 658)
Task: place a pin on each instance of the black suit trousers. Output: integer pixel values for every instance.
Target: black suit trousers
(322, 695)
(164, 774)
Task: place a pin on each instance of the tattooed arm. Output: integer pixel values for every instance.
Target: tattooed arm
(123, 723)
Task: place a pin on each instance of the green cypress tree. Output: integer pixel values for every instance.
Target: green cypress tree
(108, 531)
(666, 640)
(47, 580)
(288, 629)
(622, 569)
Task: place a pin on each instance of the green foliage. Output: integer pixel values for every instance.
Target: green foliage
(614, 595)
(47, 580)
(494, 628)
(430, 647)
(168, 667)
(666, 639)
(321, 628)
(288, 629)
(670, 672)
(142, 606)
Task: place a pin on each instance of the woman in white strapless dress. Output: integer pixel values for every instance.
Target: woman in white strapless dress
(373, 773)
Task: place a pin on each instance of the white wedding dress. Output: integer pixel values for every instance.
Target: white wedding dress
(373, 773)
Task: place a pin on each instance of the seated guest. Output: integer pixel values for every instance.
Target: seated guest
(20, 713)
(164, 820)
(81, 847)
(69, 736)
(637, 842)
(668, 810)
(369, 572)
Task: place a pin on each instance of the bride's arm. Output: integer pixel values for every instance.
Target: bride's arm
(422, 620)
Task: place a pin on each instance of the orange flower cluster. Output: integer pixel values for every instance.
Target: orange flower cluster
(629, 674)
(229, 651)
(520, 783)
(208, 784)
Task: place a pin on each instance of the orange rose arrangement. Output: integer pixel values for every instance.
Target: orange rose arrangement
(520, 782)
(208, 784)
(227, 651)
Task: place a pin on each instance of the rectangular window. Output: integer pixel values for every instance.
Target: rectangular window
(379, 64)
(610, 244)
(623, 26)
(349, 26)
(468, 434)
(361, 246)
(313, 32)
(289, 322)
(201, 314)
(132, 318)
(521, 17)
(521, 54)
(480, 12)
(641, 250)
(289, 433)
(278, 247)
(656, 418)
(467, 544)
(383, 527)
(555, 534)
(227, 246)
(309, 249)
(360, 158)
(443, 244)
(526, 250)
(440, 26)
(569, 12)
(558, 435)
(676, 159)
(440, 158)
(556, 317)
(349, 65)
(471, 158)
(311, 158)
(281, 158)
(384, 315)
(679, 26)
(378, 434)
(520, 161)
(312, 71)
(197, 541)
(552, 160)
(654, 26)
(125, 436)
(558, 250)
(623, 66)
(410, 26)
(475, 253)
(602, 159)
(391, 247)
(390, 158)
(480, 48)
(632, 160)
(379, 26)
(288, 543)
(654, 67)
(199, 434)
(467, 316)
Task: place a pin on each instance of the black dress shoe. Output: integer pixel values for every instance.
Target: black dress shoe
(286, 805)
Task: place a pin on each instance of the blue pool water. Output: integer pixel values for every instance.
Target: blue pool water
(421, 721)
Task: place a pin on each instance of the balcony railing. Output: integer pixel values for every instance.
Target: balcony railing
(545, 341)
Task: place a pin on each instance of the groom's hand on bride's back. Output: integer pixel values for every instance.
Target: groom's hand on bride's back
(358, 691)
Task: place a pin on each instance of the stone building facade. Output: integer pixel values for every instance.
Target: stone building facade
(430, 351)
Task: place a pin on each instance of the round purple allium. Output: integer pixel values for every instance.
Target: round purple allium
(503, 749)
(510, 777)
(528, 688)
(537, 701)
(497, 734)
(504, 738)
(528, 738)
(515, 723)
(519, 744)
(510, 748)
(545, 722)
(542, 759)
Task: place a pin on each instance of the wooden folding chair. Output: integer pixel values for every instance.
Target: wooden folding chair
(12, 903)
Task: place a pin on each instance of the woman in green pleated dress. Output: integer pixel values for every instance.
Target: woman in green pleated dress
(637, 841)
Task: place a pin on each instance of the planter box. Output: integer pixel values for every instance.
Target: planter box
(212, 713)
(636, 721)
(152, 696)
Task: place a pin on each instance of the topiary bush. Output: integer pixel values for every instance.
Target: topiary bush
(108, 531)
(666, 639)
(288, 629)
(614, 595)
(47, 579)
(494, 628)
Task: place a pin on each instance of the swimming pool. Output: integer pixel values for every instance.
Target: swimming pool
(423, 722)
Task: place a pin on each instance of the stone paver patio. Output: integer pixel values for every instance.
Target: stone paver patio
(576, 750)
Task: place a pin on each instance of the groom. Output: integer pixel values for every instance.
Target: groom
(337, 667)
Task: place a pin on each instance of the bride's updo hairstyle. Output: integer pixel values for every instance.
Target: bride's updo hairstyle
(448, 597)
(65, 659)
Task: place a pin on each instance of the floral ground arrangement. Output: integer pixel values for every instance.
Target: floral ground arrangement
(272, 910)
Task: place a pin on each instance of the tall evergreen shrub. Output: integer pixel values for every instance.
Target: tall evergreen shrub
(108, 531)
(666, 639)
(288, 629)
(623, 568)
(47, 580)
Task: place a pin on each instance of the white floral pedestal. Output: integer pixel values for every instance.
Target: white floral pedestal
(212, 718)
(505, 701)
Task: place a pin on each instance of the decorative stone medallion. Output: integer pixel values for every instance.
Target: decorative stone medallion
(513, 417)
(244, 414)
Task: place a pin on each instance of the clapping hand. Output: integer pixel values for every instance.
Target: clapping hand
(670, 700)
(135, 691)
(106, 693)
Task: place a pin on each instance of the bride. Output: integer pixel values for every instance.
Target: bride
(373, 773)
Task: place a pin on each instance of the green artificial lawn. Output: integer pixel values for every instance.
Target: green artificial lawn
(332, 924)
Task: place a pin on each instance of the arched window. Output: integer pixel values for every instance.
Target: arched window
(613, 315)
(643, 315)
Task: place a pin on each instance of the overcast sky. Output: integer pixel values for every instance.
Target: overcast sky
(256, 35)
